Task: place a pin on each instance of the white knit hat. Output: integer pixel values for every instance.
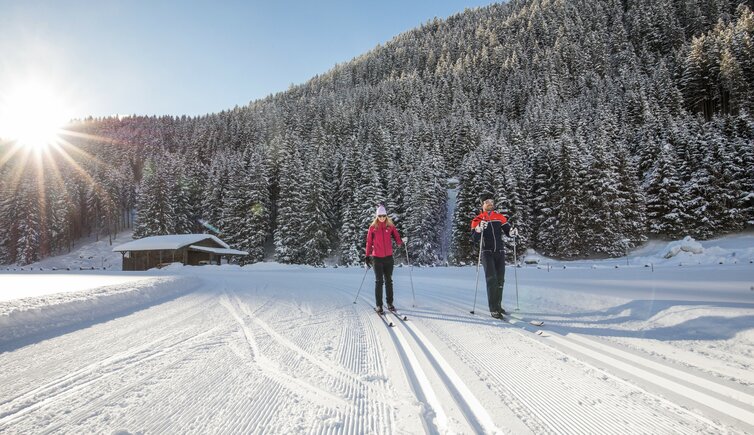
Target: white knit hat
(381, 210)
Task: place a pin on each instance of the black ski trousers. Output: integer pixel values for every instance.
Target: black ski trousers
(383, 274)
(494, 272)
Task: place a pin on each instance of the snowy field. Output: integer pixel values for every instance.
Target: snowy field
(661, 345)
(16, 286)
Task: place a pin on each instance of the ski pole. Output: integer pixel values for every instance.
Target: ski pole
(478, 262)
(410, 273)
(515, 269)
(361, 285)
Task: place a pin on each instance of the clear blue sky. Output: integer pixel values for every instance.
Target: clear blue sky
(193, 57)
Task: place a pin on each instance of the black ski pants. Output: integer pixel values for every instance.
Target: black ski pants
(494, 272)
(383, 274)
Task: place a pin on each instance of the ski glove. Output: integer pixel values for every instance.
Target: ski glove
(481, 227)
(368, 261)
(513, 232)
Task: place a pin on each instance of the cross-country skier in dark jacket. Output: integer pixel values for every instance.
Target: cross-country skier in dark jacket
(488, 227)
(379, 252)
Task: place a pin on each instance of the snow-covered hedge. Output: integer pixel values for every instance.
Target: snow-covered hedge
(21, 318)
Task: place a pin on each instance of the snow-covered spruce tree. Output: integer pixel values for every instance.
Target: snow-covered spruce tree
(59, 216)
(542, 195)
(464, 137)
(290, 219)
(349, 232)
(30, 222)
(518, 174)
(425, 200)
(315, 228)
(363, 197)
(398, 172)
(261, 206)
(724, 189)
(743, 138)
(101, 204)
(9, 219)
(195, 178)
(601, 221)
(246, 216)
(507, 194)
(559, 234)
(695, 172)
(369, 194)
(154, 214)
(330, 176)
(475, 185)
(666, 203)
(180, 197)
(213, 202)
(629, 203)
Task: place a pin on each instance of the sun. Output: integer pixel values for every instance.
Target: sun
(32, 114)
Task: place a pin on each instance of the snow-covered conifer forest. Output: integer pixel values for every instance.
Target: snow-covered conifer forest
(595, 124)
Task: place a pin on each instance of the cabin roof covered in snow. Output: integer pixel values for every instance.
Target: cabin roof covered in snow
(172, 241)
(221, 251)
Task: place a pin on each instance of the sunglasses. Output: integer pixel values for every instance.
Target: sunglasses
(381, 215)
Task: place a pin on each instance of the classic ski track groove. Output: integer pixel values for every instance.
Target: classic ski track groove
(354, 396)
(475, 414)
(81, 414)
(180, 317)
(469, 406)
(271, 369)
(79, 381)
(66, 385)
(333, 370)
(615, 364)
(418, 380)
(714, 395)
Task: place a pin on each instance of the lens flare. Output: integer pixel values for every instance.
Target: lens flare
(32, 114)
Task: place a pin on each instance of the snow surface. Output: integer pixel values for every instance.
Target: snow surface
(16, 286)
(87, 254)
(269, 348)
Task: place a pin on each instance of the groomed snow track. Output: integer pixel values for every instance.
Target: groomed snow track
(287, 351)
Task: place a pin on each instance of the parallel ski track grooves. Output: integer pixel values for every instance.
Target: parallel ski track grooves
(363, 398)
(358, 352)
(176, 318)
(650, 425)
(97, 403)
(270, 368)
(476, 415)
(418, 381)
(296, 347)
(715, 396)
(64, 386)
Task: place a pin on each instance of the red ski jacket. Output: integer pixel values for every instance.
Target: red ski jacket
(492, 236)
(379, 243)
(491, 216)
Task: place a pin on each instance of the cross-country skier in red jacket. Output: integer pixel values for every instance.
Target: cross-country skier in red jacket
(379, 252)
(488, 228)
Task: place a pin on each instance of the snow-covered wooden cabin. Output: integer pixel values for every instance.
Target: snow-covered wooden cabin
(189, 249)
